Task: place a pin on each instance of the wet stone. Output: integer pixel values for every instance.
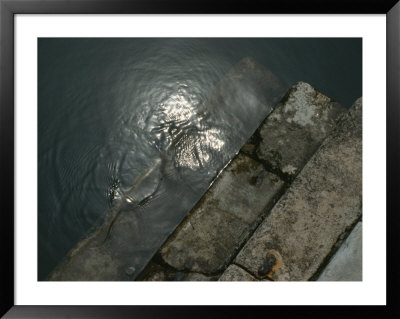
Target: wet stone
(291, 134)
(235, 273)
(198, 277)
(244, 189)
(213, 231)
(130, 271)
(346, 264)
(322, 203)
(155, 272)
(89, 264)
(194, 150)
(205, 241)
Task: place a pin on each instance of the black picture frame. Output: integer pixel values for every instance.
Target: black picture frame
(8, 8)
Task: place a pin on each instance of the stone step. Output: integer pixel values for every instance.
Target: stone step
(219, 225)
(321, 206)
(292, 133)
(235, 273)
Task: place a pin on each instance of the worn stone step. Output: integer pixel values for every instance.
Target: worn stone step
(322, 204)
(223, 219)
(235, 273)
(294, 130)
(242, 195)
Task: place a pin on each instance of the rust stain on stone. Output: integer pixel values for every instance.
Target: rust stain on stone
(272, 266)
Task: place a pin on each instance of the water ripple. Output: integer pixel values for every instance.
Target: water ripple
(146, 133)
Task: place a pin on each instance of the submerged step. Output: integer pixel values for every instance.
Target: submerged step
(194, 142)
(322, 204)
(242, 195)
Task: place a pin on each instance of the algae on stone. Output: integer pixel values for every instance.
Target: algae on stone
(294, 130)
(219, 224)
(323, 202)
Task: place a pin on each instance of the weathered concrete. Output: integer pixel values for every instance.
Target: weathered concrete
(323, 202)
(235, 273)
(222, 220)
(239, 199)
(291, 134)
(346, 264)
(155, 272)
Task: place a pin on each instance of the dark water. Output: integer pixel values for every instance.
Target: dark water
(111, 110)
